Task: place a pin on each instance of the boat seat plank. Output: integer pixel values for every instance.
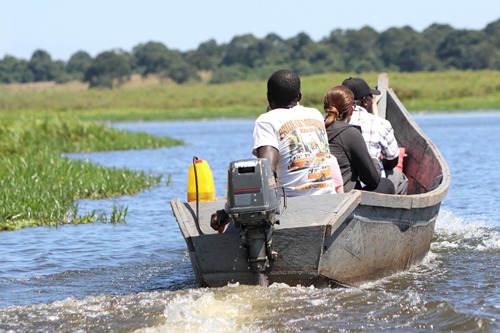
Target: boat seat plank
(310, 211)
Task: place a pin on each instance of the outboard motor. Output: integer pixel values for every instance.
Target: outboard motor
(254, 206)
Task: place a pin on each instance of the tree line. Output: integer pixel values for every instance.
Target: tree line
(438, 47)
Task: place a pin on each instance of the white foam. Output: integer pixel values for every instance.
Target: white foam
(475, 233)
(207, 310)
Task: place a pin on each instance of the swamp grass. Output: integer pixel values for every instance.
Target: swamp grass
(40, 186)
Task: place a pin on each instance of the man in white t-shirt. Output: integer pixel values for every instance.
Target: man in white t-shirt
(293, 138)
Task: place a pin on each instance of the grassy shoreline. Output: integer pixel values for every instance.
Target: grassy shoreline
(38, 122)
(40, 186)
(150, 99)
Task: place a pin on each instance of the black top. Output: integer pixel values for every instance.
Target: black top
(348, 146)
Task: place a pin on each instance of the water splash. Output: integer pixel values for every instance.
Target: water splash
(455, 232)
(208, 310)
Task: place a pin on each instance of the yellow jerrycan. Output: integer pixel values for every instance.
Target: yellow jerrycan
(201, 180)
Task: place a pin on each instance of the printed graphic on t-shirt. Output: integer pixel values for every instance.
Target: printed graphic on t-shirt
(307, 149)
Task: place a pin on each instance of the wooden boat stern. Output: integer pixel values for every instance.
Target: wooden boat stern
(219, 259)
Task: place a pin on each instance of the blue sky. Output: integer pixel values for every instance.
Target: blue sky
(63, 27)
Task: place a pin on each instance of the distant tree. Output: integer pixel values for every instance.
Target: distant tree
(199, 61)
(435, 34)
(482, 56)
(6, 67)
(404, 49)
(207, 56)
(41, 66)
(302, 67)
(335, 43)
(361, 48)
(156, 58)
(325, 59)
(308, 57)
(300, 46)
(59, 72)
(151, 58)
(411, 58)
(392, 43)
(227, 74)
(467, 49)
(492, 31)
(109, 69)
(179, 69)
(78, 64)
(182, 72)
(305, 54)
(274, 51)
(14, 70)
(242, 50)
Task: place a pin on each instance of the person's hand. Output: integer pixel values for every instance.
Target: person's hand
(219, 220)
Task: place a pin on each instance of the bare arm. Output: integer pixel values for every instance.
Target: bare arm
(270, 153)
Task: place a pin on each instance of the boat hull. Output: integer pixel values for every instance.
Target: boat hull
(315, 245)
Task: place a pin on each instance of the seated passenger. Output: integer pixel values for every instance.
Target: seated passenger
(293, 138)
(377, 133)
(348, 146)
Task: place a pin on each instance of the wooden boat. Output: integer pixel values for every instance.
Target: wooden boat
(332, 240)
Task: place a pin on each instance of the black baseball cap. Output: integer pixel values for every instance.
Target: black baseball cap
(359, 87)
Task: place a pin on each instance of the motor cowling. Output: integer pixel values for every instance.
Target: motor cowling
(252, 193)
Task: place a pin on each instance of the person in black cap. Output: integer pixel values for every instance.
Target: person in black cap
(377, 132)
(363, 94)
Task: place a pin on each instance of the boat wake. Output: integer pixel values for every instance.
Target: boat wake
(210, 310)
(455, 232)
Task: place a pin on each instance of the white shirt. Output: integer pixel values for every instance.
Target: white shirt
(299, 134)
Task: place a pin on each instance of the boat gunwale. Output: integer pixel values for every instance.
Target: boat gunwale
(420, 200)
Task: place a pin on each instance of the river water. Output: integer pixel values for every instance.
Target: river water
(137, 277)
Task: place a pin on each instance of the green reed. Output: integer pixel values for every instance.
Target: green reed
(40, 186)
